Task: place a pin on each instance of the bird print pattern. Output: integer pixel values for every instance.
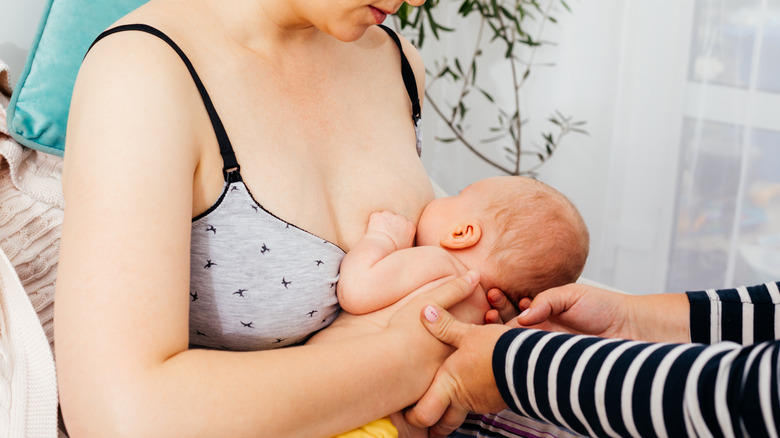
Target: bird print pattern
(257, 281)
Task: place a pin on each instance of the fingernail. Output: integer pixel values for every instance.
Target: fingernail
(523, 313)
(469, 277)
(431, 314)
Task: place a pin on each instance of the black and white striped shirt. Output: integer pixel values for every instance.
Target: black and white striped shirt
(724, 383)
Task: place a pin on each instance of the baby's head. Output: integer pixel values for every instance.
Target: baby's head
(521, 234)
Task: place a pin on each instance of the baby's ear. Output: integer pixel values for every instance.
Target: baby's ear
(463, 236)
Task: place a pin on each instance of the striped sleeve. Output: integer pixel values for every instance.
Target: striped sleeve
(745, 315)
(612, 387)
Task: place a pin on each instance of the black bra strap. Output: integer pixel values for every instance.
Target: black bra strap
(225, 148)
(408, 74)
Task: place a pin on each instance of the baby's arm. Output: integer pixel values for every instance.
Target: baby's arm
(383, 266)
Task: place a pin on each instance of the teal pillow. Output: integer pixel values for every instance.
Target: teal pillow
(38, 110)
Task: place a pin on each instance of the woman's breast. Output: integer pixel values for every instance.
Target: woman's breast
(256, 281)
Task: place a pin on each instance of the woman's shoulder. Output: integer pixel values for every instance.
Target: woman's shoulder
(379, 39)
(130, 88)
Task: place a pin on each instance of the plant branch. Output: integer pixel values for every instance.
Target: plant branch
(471, 66)
(513, 66)
(545, 17)
(459, 136)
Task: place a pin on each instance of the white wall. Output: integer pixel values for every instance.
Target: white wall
(16, 33)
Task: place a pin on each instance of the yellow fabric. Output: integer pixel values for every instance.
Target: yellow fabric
(382, 428)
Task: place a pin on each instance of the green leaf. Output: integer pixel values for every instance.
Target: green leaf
(457, 66)
(492, 139)
(446, 140)
(466, 8)
(446, 71)
(403, 14)
(462, 108)
(486, 94)
(421, 35)
(509, 49)
(433, 24)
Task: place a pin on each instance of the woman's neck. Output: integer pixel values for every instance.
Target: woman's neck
(264, 25)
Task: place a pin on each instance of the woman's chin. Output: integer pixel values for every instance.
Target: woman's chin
(349, 34)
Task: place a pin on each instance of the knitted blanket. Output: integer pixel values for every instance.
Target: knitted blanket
(31, 212)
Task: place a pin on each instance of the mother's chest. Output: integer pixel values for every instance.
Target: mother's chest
(331, 188)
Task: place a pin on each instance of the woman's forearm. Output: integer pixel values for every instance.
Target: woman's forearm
(660, 317)
(613, 387)
(313, 390)
(745, 315)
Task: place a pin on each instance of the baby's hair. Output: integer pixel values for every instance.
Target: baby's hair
(542, 241)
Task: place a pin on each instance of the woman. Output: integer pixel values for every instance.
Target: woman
(204, 138)
(676, 379)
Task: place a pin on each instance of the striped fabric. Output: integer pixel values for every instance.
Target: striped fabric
(745, 315)
(508, 424)
(613, 387)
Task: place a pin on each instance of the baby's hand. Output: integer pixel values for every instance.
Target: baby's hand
(398, 228)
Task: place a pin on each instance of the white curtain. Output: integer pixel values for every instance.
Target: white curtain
(676, 178)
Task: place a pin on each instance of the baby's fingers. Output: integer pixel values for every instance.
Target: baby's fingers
(499, 302)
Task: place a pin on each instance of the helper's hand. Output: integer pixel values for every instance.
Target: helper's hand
(465, 381)
(394, 226)
(582, 309)
(579, 309)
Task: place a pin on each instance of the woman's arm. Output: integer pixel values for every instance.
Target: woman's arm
(744, 315)
(602, 387)
(582, 309)
(124, 367)
(609, 387)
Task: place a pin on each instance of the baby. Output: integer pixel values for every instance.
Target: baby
(521, 235)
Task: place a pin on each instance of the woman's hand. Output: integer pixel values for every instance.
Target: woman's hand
(465, 381)
(406, 312)
(582, 309)
(579, 309)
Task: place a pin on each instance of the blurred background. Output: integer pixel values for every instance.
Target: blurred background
(676, 176)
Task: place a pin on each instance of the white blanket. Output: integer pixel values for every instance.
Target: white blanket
(31, 211)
